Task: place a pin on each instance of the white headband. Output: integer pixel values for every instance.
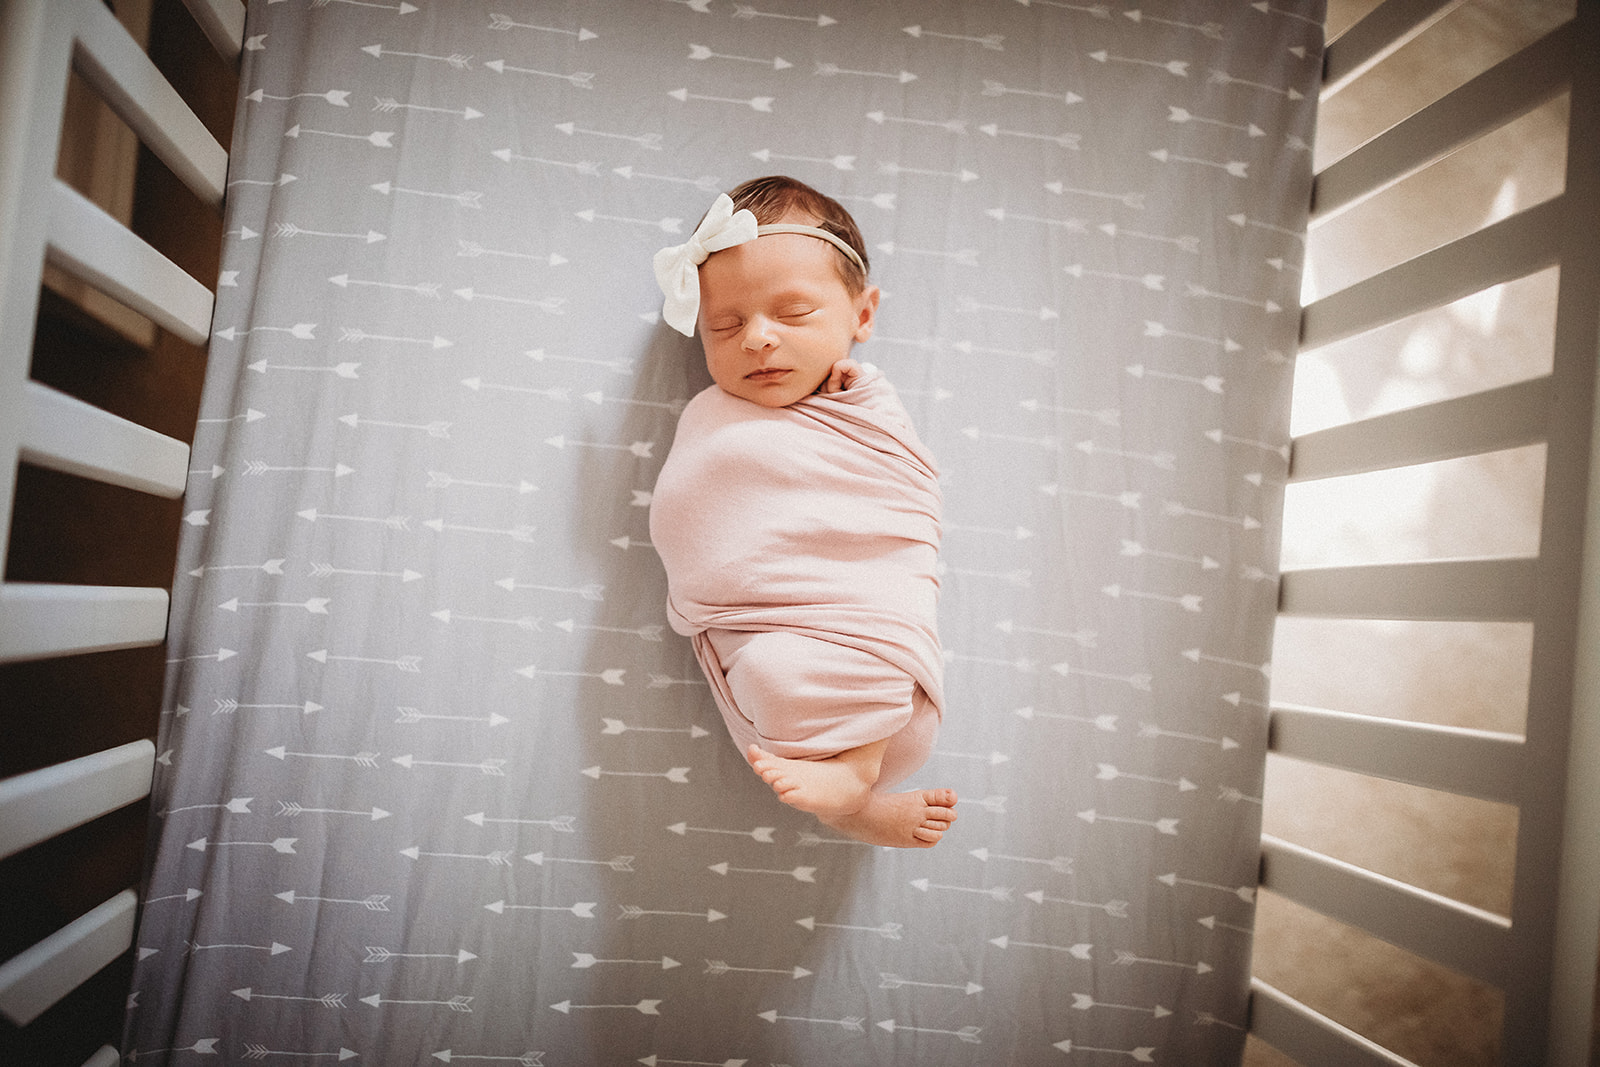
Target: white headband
(677, 268)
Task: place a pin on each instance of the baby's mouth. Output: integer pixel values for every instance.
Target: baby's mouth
(766, 375)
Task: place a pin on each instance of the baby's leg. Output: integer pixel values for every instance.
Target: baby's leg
(834, 785)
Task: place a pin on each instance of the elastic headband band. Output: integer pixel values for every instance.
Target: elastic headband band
(678, 268)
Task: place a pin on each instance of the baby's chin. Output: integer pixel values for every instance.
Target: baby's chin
(779, 394)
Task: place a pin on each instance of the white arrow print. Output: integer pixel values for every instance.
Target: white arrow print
(1165, 826)
(1141, 682)
(754, 103)
(377, 954)
(324, 570)
(887, 931)
(1128, 959)
(290, 809)
(578, 79)
(1222, 77)
(1237, 168)
(1043, 314)
(669, 225)
(1156, 329)
(494, 768)
(1107, 772)
(1235, 795)
(1001, 893)
(254, 1051)
(1213, 30)
(1243, 892)
(1147, 729)
(1178, 67)
(457, 60)
(678, 775)
(621, 366)
(377, 138)
(1173, 508)
(336, 97)
(524, 622)
(1271, 307)
(1217, 437)
(593, 591)
(504, 22)
(1187, 243)
(283, 845)
(229, 706)
(583, 909)
(968, 1034)
(705, 184)
(599, 397)
(1117, 909)
(1048, 443)
(701, 52)
(896, 168)
(1211, 922)
(894, 981)
(651, 632)
(1211, 382)
(1059, 864)
(206, 1046)
(1022, 664)
(642, 449)
(300, 331)
(643, 1007)
(849, 1022)
(560, 824)
(393, 522)
(1142, 1054)
(441, 480)
(408, 664)
(1187, 601)
(219, 655)
(1083, 1002)
(427, 289)
(1078, 952)
(1160, 460)
(527, 1059)
(439, 430)
(767, 155)
(347, 334)
(461, 1004)
(559, 393)
(1022, 579)
(550, 304)
(617, 726)
(282, 179)
(236, 806)
(662, 681)
(1084, 638)
(402, 7)
(1154, 282)
(289, 229)
(1108, 723)
(1243, 220)
(388, 104)
(1127, 498)
(274, 949)
(472, 249)
(1133, 200)
(952, 125)
(186, 896)
(1065, 140)
(249, 415)
(762, 834)
(584, 960)
(799, 874)
(992, 758)
(1182, 115)
(745, 11)
(499, 858)
(330, 1000)
(620, 864)
(994, 88)
(1104, 416)
(409, 716)
(830, 70)
(1016, 533)
(633, 911)
(612, 676)
(1135, 548)
(1000, 214)
(360, 759)
(313, 606)
(256, 466)
(994, 41)
(720, 967)
(651, 141)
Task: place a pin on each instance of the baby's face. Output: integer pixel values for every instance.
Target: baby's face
(775, 317)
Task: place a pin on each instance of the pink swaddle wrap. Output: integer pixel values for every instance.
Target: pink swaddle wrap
(800, 546)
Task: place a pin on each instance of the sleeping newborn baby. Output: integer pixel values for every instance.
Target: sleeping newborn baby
(797, 517)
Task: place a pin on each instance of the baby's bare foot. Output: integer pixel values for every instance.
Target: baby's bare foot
(823, 787)
(917, 819)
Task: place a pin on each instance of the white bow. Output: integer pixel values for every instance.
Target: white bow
(677, 268)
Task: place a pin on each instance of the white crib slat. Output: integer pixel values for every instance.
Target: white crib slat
(1492, 99)
(1474, 763)
(1467, 939)
(87, 242)
(39, 620)
(52, 800)
(1381, 33)
(1309, 1036)
(1482, 590)
(1495, 419)
(39, 976)
(137, 92)
(1505, 251)
(65, 434)
(222, 21)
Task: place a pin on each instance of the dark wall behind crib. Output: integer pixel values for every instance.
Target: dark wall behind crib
(68, 529)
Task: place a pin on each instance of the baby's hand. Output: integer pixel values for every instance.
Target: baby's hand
(843, 376)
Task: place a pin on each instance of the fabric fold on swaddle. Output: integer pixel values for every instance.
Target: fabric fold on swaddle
(800, 545)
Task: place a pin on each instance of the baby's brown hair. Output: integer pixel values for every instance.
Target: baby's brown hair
(771, 198)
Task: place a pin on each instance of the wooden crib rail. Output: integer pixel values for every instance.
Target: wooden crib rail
(1543, 955)
(43, 220)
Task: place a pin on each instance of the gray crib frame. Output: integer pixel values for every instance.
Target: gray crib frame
(1543, 956)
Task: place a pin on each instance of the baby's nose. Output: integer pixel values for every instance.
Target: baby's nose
(759, 333)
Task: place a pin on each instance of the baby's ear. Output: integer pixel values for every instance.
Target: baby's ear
(867, 312)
